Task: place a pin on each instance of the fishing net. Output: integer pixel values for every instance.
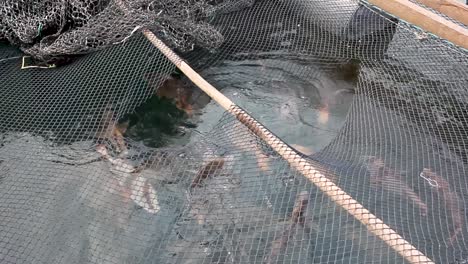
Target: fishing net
(48, 30)
(76, 187)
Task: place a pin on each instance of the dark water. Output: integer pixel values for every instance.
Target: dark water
(157, 123)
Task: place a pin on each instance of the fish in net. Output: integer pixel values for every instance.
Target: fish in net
(389, 186)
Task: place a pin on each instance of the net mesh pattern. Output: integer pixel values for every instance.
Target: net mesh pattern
(50, 30)
(72, 191)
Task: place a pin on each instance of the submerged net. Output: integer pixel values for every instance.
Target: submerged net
(72, 190)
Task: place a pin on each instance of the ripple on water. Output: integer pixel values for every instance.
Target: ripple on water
(304, 105)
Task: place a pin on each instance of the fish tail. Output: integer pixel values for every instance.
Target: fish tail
(415, 199)
(454, 235)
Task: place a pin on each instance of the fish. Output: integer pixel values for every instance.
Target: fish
(339, 97)
(300, 207)
(262, 160)
(173, 89)
(144, 195)
(139, 190)
(450, 198)
(212, 167)
(297, 218)
(323, 114)
(119, 164)
(117, 133)
(113, 131)
(389, 179)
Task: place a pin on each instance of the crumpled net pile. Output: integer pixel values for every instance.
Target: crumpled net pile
(54, 29)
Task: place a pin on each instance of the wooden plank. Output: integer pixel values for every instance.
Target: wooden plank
(426, 20)
(450, 8)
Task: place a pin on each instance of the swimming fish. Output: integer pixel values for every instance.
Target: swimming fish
(139, 189)
(144, 195)
(297, 218)
(300, 207)
(262, 160)
(113, 131)
(212, 167)
(119, 164)
(323, 114)
(389, 179)
(173, 89)
(450, 198)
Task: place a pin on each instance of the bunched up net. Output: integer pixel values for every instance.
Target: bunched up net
(389, 187)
